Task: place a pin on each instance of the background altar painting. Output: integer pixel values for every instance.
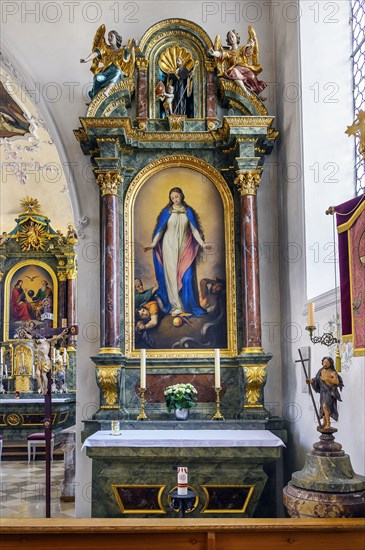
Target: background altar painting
(30, 303)
(209, 329)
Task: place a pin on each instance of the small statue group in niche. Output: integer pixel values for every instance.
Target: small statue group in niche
(240, 64)
(327, 383)
(175, 88)
(110, 62)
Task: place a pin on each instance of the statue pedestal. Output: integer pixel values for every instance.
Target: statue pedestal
(327, 486)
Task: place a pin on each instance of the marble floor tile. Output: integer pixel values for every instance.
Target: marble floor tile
(22, 490)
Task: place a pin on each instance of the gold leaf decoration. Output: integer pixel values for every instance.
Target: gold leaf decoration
(108, 383)
(167, 61)
(30, 205)
(33, 236)
(255, 377)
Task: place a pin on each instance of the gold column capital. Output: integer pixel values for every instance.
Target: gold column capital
(142, 64)
(210, 65)
(109, 182)
(72, 273)
(248, 181)
(62, 276)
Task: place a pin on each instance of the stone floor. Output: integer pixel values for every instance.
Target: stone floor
(22, 490)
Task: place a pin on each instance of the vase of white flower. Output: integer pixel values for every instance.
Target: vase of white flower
(180, 397)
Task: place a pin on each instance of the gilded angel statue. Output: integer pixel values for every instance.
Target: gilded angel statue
(240, 64)
(110, 62)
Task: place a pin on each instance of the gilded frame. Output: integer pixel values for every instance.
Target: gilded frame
(204, 168)
(123, 510)
(7, 293)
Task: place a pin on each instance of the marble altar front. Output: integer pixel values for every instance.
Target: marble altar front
(134, 472)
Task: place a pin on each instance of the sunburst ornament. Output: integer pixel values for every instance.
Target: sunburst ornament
(30, 205)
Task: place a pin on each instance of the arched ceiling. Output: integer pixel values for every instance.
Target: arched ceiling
(30, 162)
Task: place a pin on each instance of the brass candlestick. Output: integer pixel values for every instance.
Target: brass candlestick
(142, 415)
(217, 415)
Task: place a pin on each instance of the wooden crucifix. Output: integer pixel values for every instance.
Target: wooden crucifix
(43, 339)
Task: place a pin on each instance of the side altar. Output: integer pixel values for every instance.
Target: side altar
(177, 132)
(37, 294)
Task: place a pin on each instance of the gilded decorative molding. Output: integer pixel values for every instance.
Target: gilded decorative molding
(158, 30)
(176, 122)
(248, 182)
(248, 121)
(126, 84)
(113, 106)
(109, 351)
(272, 134)
(229, 85)
(107, 378)
(142, 64)
(109, 182)
(187, 161)
(239, 106)
(142, 135)
(255, 380)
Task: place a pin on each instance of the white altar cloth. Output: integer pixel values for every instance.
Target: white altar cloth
(184, 438)
(35, 400)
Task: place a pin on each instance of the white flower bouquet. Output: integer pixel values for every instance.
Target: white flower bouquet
(180, 396)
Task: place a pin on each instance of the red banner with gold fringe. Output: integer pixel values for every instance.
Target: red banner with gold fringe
(350, 218)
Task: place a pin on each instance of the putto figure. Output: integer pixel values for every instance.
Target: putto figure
(110, 62)
(327, 383)
(240, 64)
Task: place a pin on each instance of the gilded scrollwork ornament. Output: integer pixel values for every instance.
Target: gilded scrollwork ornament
(255, 380)
(107, 378)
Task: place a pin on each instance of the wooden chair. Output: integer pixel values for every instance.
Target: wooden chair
(38, 440)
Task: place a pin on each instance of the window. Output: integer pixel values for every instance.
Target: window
(358, 55)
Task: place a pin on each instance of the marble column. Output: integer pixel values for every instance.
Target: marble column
(142, 100)
(71, 303)
(62, 297)
(210, 91)
(247, 183)
(109, 183)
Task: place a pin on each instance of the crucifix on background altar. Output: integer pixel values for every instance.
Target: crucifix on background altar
(43, 340)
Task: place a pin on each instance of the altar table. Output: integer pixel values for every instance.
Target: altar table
(134, 472)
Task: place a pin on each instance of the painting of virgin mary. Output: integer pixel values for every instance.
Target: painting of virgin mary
(178, 263)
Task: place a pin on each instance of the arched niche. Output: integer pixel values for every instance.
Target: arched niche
(166, 36)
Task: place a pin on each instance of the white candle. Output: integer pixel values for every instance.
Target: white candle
(217, 368)
(143, 369)
(1, 361)
(182, 480)
(310, 314)
(64, 356)
(33, 373)
(54, 354)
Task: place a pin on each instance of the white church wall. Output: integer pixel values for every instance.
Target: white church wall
(305, 140)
